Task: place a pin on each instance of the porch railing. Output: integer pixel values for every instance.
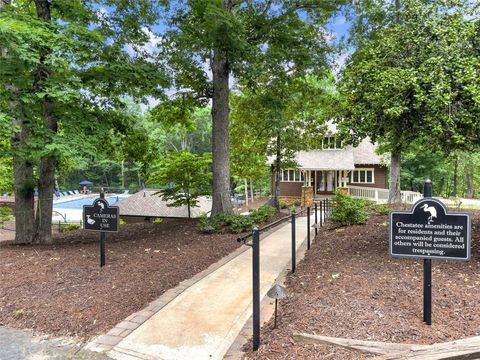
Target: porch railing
(381, 195)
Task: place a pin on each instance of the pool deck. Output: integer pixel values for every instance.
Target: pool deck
(74, 215)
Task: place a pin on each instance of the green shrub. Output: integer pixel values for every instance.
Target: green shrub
(293, 209)
(69, 227)
(241, 223)
(262, 214)
(296, 203)
(235, 223)
(122, 222)
(283, 204)
(348, 211)
(157, 220)
(380, 209)
(5, 214)
(205, 224)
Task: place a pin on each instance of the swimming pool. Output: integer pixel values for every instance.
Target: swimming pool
(78, 204)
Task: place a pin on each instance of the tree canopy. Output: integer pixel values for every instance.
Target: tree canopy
(64, 76)
(413, 76)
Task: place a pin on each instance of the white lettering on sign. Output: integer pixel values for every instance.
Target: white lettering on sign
(105, 216)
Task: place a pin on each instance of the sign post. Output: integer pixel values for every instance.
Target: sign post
(427, 269)
(429, 232)
(103, 218)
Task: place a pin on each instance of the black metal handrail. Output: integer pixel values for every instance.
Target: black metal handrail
(268, 226)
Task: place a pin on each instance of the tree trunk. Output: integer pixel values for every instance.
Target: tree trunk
(455, 177)
(245, 182)
(24, 199)
(122, 170)
(221, 201)
(23, 174)
(46, 184)
(276, 199)
(469, 178)
(251, 189)
(394, 194)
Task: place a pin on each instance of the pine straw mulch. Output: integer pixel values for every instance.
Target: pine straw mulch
(348, 286)
(61, 290)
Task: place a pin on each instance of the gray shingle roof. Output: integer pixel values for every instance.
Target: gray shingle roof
(144, 203)
(326, 159)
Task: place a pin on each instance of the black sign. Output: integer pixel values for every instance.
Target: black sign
(428, 231)
(100, 216)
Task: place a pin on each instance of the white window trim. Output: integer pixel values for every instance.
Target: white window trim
(284, 172)
(362, 182)
(342, 145)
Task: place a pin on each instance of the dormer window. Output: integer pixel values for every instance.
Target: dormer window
(332, 143)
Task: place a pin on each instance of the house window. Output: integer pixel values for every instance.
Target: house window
(290, 175)
(362, 176)
(331, 143)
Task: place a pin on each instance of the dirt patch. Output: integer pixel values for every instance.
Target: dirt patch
(348, 286)
(61, 290)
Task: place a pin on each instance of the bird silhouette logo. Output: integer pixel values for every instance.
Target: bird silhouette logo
(431, 210)
(101, 206)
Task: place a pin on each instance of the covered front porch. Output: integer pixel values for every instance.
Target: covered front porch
(325, 182)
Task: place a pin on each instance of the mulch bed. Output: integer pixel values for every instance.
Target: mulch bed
(348, 286)
(61, 290)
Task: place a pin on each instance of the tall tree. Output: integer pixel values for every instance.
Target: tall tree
(209, 41)
(63, 76)
(411, 78)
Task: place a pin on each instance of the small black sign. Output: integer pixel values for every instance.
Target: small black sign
(428, 231)
(100, 216)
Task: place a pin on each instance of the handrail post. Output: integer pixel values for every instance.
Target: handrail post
(308, 228)
(321, 213)
(256, 287)
(294, 246)
(316, 219)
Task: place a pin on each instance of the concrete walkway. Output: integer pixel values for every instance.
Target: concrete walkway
(204, 320)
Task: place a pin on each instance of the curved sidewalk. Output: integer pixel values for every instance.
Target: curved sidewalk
(203, 321)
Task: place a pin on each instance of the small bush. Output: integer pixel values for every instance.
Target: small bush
(235, 223)
(380, 209)
(262, 214)
(283, 204)
(205, 224)
(296, 203)
(348, 211)
(122, 222)
(241, 223)
(69, 227)
(157, 220)
(5, 214)
(293, 209)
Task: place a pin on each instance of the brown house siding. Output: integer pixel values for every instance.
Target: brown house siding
(288, 188)
(380, 175)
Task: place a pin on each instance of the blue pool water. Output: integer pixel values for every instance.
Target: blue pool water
(78, 204)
